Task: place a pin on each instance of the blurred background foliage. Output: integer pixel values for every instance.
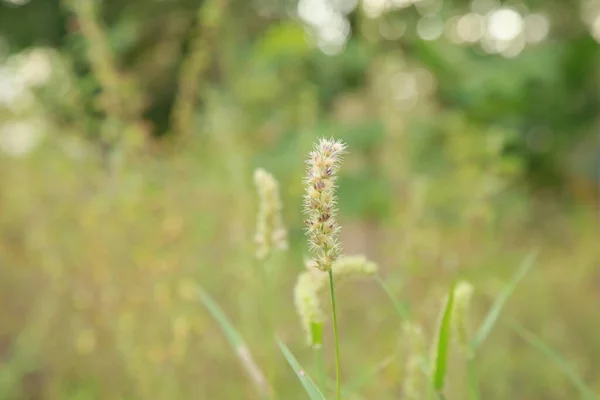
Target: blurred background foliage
(129, 131)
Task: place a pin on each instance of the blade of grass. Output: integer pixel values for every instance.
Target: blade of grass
(494, 313)
(444, 333)
(320, 367)
(369, 376)
(472, 377)
(399, 307)
(537, 343)
(238, 344)
(311, 389)
(431, 392)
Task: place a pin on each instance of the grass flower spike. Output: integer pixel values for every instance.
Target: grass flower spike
(270, 232)
(312, 285)
(322, 228)
(348, 267)
(308, 304)
(319, 202)
(414, 377)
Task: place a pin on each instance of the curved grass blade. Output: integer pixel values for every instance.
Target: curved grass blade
(313, 391)
(494, 313)
(431, 392)
(238, 344)
(444, 333)
(538, 344)
(368, 377)
(400, 308)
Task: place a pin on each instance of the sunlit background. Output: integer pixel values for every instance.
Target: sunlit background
(129, 134)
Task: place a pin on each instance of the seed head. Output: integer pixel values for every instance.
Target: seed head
(414, 377)
(348, 267)
(319, 202)
(308, 305)
(270, 232)
(312, 287)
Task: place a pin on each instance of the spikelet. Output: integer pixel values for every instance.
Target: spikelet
(308, 305)
(413, 385)
(312, 286)
(319, 202)
(270, 232)
(348, 267)
(462, 299)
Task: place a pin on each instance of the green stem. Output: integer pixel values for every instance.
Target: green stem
(268, 295)
(473, 383)
(320, 368)
(336, 339)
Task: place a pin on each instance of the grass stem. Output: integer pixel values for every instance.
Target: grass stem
(320, 368)
(473, 381)
(336, 339)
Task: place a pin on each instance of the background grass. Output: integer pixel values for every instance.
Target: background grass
(117, 200)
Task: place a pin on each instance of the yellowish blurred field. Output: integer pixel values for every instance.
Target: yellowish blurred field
(127, 156)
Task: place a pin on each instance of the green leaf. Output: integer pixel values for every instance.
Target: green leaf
(494, 313)
(241, 349)
(537, 343)
(444, 334)
(313, 391)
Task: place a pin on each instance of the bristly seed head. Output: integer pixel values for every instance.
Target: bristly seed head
(319, 202)
(270, 232)
(311, 289)
(414, 385)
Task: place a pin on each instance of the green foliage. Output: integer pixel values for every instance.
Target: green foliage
(311, 389)
(538, 344)
(442, 344)
(234, 338)
(238, 345)
(400, 308)
(126, 167)
(494, 312)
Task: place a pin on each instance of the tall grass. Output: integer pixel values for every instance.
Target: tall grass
(99, 271)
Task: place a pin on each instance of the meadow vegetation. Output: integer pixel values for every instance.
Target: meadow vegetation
(152, 237)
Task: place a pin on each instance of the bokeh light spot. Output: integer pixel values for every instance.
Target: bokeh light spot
(537, 27)
(430, 28)
(505, 24)
(470, 27)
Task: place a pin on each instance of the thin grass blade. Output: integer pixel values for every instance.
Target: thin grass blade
(400, 308)
(368, 377)
(233, 337)
(311, 389)
(537, 343)
(238, 344)
(444, 334)
(494, 313)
